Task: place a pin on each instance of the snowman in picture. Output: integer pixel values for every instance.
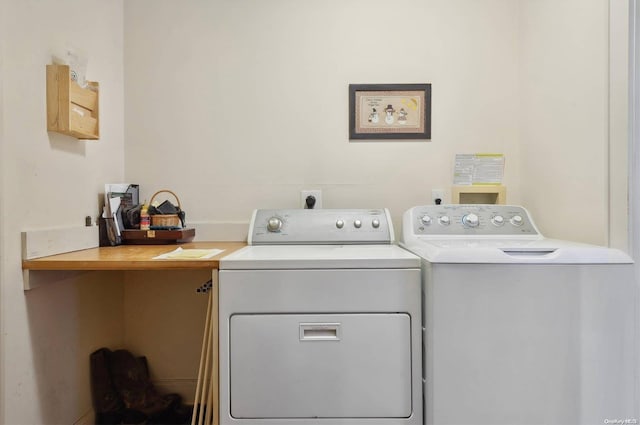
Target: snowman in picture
(374, 117)
(402, 116)
(389, 117)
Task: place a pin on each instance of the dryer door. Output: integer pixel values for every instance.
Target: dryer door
(320, 366)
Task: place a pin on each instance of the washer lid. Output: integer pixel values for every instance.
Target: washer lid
(513, 251)
(270, 257)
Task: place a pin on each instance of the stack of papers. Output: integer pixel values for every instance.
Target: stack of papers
(116, 197)
(189, 254)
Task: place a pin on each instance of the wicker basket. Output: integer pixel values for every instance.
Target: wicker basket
(165, 220)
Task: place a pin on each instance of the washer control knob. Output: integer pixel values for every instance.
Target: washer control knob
(340, 224)
(497, 220)
(444, 220)
(375, 223)
(471, 220)
(357, 224)
(517, 220)
(426, 220)
(274, 224)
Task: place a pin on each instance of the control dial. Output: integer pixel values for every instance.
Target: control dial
(517, 220)
(357, 224)
(426, 220)
(274, 224)
(471, 220)
(497, 220)
(375, 223)
(340, 224)
(444, 220)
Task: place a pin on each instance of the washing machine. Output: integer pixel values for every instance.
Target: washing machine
(320, 322)
(518, 328)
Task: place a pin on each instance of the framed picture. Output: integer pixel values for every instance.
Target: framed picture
(389, 111)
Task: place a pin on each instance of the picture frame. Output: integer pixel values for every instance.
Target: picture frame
(389, 111)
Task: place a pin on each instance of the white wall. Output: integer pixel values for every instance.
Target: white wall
(249, 101)
(164, 319)
(237, 105)
(573, 136)
(619, 128)
(50, 180)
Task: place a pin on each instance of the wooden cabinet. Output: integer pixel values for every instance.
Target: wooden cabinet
(71, 109)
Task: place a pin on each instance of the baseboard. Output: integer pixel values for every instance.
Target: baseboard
(89, 418)
(186, 387)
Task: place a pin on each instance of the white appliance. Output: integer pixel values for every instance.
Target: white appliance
(520, 329)
(320, 322)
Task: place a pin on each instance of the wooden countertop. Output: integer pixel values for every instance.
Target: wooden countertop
(131, 257)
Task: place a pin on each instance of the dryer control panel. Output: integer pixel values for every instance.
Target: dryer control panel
(321, 227)
(470, 220)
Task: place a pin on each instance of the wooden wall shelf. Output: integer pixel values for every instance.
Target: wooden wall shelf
(71, 109)
(479, 194)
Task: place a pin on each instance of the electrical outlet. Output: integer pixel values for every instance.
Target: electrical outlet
(437, 194)
(315, 193)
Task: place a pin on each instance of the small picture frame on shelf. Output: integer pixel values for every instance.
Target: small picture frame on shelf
(389, 111)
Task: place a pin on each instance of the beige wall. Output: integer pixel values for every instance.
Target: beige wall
(164, 319)
(50, 180)
(248, 100)
(573, 113)
(619, 129)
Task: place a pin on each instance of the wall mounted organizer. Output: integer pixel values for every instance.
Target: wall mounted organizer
(479, 194)
(71, 109)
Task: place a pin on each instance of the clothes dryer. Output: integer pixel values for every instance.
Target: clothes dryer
(320, 322)
(518, 328)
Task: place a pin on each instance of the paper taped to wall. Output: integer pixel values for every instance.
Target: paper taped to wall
(478, 168)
